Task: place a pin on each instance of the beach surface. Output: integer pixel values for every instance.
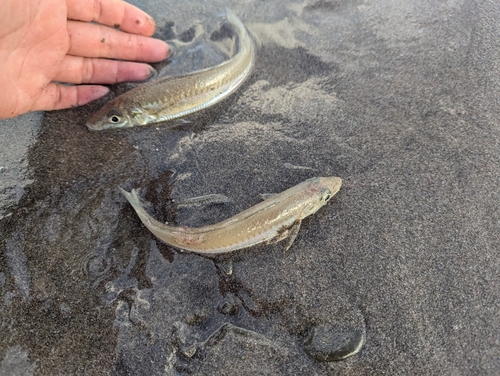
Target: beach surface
(398, 98)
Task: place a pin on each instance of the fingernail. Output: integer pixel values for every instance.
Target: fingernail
(151, 20)
(151, 72)
(101, 91)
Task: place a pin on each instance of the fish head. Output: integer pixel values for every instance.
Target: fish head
(118, 116)
(319, 191)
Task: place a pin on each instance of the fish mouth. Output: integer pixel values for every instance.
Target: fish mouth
(105, 127)
(92, 127)
(94, 122)
(100, 125)
(336, 184)
(333, 183)
(96, 127)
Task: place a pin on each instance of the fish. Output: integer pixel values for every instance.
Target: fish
(272, 220)
(171, 98)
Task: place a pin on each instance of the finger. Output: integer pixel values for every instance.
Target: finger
(78, 70)
(90, 40)
(115, 13)
(57, 97)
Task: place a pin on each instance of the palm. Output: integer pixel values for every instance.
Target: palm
(32, 51)
(39, 47)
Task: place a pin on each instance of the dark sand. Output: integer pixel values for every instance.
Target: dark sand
(399, 98)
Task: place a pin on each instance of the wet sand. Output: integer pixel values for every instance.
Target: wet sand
(398, 99)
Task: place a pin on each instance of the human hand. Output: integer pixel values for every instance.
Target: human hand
(43, 42)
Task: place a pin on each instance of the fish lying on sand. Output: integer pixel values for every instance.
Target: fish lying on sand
(274, 219)
(174, 97)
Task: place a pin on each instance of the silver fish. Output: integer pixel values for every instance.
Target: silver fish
(173, 97)
(276, 218)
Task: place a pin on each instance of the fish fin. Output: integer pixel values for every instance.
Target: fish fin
(155, 106)
(287, 232)
(281, 235)
(132, 197)
(256, 39)
(292, 233)
(183, 121)
(174, 123)
(225, 266)
(231, 16)
(265, 196)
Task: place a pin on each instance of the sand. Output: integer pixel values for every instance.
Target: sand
(398, 98)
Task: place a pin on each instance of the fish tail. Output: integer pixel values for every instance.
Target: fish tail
(132, 197)
(234, 20)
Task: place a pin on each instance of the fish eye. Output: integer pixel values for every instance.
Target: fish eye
(114, 119)
(326, 195)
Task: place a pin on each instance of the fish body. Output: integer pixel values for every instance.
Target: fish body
(274, 219)
(170, 98)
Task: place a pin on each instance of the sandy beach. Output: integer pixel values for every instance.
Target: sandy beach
(398, 98)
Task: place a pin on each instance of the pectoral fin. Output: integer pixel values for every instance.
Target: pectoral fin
(292, 233)
(153, 106)
(225, 266)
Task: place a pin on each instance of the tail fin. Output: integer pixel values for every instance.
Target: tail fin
(233, 19)
(132, 197)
